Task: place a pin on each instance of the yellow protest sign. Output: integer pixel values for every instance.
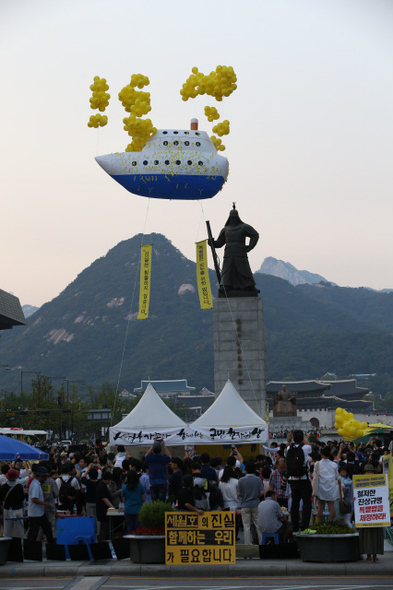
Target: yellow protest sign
(371, 502)
(144, 288)
(193, 539)
(203, 281)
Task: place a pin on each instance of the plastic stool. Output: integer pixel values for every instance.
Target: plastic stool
(267, 536)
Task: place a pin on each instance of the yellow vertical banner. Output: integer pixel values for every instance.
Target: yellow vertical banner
(203, 281)
(144, 288)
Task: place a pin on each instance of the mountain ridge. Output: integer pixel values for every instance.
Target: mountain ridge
(89, 331)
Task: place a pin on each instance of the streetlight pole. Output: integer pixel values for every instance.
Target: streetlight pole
(61, 415)
(21, 390)
(68, 398)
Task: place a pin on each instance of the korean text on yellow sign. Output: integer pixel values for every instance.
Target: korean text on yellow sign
(193, 539)
(371, 503)
(144, 289)
(203, 281)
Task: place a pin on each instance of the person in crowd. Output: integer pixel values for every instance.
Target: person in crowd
(12, 496)
(90, 482)
(250, 491)
(201, 488)
(186, 499)
(51, 493)
(270, 516)
(121, 455)
(228, 488)
(36, 507)
(116, 485)
(4, 469)
(175, 480)
(265, 477)
(298, 450)
(145, 481)
(230, 462)
(133, 496)
(157, 464)
(371, 539)
(278, 482)
(206, 470)
(326, 488)
(103, 502)
(65, 481)
(346, 485)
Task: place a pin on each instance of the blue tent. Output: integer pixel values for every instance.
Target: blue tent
(11, 449)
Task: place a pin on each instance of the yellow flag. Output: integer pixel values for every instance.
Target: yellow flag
(204, 290)
(144, 289)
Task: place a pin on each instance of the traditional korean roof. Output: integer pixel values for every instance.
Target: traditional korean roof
(312, 385)
(346, 389)
(166, 386)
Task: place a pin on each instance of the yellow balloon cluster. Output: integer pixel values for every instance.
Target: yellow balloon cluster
(140, 130)
(218, 84)
(100, 98)
(211, 114)
(220, 147)
(222, 128)
(137, 103)
(347, 426)
(97, 121)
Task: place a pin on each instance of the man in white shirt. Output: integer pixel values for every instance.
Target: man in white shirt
(36, 507)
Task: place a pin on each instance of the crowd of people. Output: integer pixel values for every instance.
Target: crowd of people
(273, 493)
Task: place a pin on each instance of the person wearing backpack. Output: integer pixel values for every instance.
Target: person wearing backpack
(297, 453)
(201, 488)
(64, 482)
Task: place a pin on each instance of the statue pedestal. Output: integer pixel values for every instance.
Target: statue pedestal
(239, 349)
(288, 423)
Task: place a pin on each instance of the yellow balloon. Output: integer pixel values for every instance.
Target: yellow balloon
(340, 431)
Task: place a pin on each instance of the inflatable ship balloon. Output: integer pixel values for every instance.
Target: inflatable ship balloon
(174, 164)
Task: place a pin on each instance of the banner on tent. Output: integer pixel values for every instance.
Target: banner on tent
(144, 290)
(191, 436)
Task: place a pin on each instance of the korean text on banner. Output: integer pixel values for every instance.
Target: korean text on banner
(371, 495)
(193, 539)
(144, 290)
(203, 281)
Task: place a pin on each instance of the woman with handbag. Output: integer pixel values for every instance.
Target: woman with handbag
(12, 496)
(326, 479)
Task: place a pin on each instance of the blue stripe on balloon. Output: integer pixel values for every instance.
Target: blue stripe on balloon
(179, 186)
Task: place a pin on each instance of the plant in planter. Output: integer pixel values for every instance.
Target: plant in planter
(152, 518)
(328, 543)
(147, 544)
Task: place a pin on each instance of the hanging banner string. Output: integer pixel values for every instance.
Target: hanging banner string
(129, 317)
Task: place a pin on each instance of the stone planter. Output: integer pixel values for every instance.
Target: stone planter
(147, 548)
(328, 548)
(5, 543)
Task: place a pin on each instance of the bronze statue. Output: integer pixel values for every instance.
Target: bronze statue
(236, 277)
(284, 403)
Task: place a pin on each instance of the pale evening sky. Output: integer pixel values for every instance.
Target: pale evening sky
(310, 148)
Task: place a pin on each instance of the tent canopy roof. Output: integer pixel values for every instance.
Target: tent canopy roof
(150, 413)
(229, 410)
(11, 449)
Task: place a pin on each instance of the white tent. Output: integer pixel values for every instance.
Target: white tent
(150, 418)
(229, 420)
